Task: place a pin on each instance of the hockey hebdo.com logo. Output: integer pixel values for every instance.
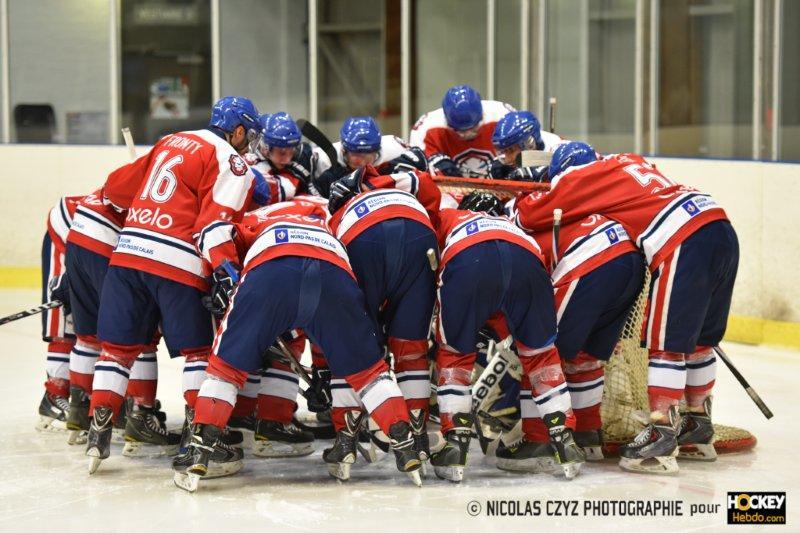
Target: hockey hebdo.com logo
(756, 507)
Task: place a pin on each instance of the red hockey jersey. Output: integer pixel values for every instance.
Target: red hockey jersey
(459, 229)
(188, 191)
(657, 213)
(294, 228)
(96, 224)
(60, 219)
(434, 136)
(411, 195)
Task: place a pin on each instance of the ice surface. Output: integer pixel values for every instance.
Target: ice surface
(44, 483)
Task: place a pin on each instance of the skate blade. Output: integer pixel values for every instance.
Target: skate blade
(449, 473)
(118, 436)
(146, 449)
(698, 452)
(188, 482)
(538, 465)
(79, 436)
(415, 477)
(568, 470)
(268, 448)
(47, 424)
(424, 467)
(367, 452)
(94, 460)
(593, 453)
(663, 465)
(340, 471)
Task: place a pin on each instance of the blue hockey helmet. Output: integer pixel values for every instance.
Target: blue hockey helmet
(462, 107)
(360, 135)
(519, 128)
(570, 154)
(279, 130)
(232, 111)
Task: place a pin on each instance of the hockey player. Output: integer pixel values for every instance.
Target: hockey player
(457, 137)
(361, 144)
(296, 274)
(385, 224)
(516, 132)
(189, 189)
(489, 265)
(57, 328)
(281, 157)
(692, 253)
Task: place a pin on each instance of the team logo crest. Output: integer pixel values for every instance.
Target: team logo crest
(474, 162)
(690, 207)
(472, 227)
(238, 166)
(281, 236)
(612, 235)
(361, 210)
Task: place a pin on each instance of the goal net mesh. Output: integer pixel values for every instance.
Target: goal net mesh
(625, 405)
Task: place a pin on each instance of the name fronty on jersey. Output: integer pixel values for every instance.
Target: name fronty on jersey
(182, 143)
(149, 217)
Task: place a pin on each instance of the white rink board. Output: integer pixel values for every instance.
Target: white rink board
(45, 486)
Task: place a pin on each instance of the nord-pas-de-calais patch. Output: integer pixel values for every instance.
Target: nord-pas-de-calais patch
(238, 166)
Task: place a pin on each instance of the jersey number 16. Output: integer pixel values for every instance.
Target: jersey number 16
(162, 182)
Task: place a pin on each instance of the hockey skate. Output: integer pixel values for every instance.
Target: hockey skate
(273, 439)
(654, 449)
(341, 456)
(98, 442)
(402, 439)
(118, 431)
(568, 455)
(449, 462)
(696, 435)
(230, 437)
(78, 418)
(421, 443)
(147, 435)
(207, 457)
(246, 425)
(592, 444)
(53, 412)
(526, 456)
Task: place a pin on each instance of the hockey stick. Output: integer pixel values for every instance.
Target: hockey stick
(313, 134)
(30, 312)
(556, 229)
(553, 104)
(740, 378)
(126, 134)
(432, 260)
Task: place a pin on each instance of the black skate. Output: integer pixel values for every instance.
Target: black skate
(341, 456)
(654, 449)
(146, 434)
(207, 457)
(98, 442)
(246, 425)
(696, 435)
(401, 437)
(569, 456)
(273, 439)
(118, 433)
(526, 456)
(78, 418)
(230, 437)
(592, 444)
(53, 412)
(449, 462)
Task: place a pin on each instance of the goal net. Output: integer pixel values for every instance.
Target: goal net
(625, 406)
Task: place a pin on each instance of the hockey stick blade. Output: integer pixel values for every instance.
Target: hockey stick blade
(30, 312)
(313, 134)
(740, 378)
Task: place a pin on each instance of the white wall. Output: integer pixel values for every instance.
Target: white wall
(762, 200)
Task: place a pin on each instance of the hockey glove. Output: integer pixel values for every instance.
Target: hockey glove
(444, 165)
(261, 194)
(303, 163)
(535, 174)
(344, 189)
(499, 170)
(219, 298)
(59, 290)
(318, 394)
(411, 159)
(323, 182)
